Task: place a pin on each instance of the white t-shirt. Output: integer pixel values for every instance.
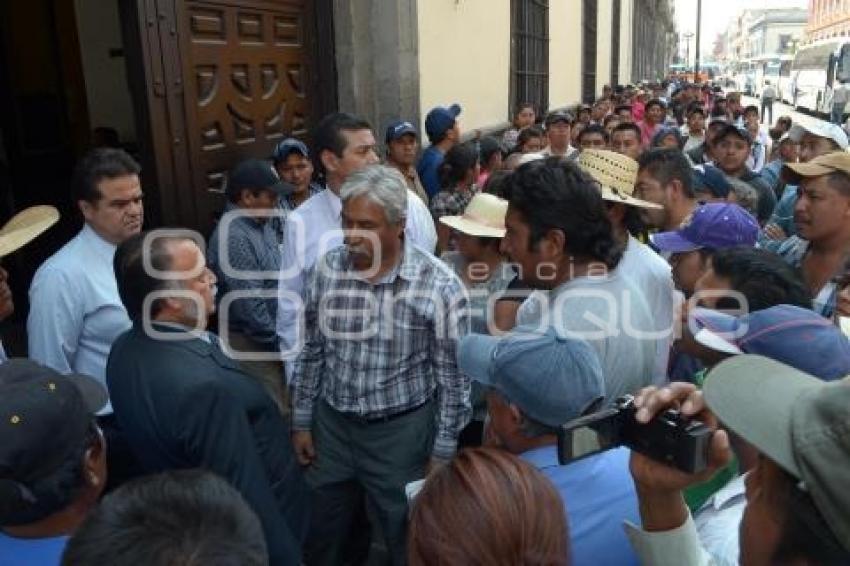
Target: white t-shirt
(612, 315)
(652, 275)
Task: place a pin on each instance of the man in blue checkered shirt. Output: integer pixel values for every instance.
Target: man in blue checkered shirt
(378, 397)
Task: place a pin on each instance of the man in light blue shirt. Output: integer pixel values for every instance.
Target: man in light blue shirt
(539, 380)
(343, 144)
(75, 311)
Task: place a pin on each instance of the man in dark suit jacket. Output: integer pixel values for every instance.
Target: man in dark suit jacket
(183, 403)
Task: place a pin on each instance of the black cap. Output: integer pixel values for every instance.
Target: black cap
(44, 418)
(256, 174)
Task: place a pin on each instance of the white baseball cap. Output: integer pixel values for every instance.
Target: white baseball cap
(822, 130)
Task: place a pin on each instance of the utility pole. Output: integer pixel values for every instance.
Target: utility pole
(699, 21)
(687, 35)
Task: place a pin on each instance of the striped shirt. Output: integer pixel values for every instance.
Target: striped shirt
(379, 349)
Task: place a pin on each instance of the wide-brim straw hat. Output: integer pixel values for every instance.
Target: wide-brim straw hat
(484, 217)
(25, 226)
(616, 174)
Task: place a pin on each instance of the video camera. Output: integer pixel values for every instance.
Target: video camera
(669, 438)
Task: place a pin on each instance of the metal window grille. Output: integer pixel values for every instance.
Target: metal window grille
(530, 53)
(615, 44)
(588, 63)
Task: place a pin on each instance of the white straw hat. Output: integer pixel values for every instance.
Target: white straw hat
(25, 227)
(616, 174)
(484, 217)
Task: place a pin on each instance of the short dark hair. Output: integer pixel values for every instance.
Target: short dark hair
(186, 517)
(840, 181)
(609, 118)
(694, 108)
(528, 133)
(457, 162)
(95, 166)
(627, 127)
(751, 109)
(134, 281)
(623, 107)
(655, 102)
(786, 121)
(593, 129)
(523, 105)
(328, 135)
(488, 146)
(666, 165)
(762, 277)
(555, 194)
(58, 490)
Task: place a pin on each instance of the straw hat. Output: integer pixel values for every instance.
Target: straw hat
(616, 173)
(484, 217)
(25, 227)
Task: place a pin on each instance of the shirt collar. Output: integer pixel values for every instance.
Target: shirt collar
(735, 489)
(542, 457)
(334, 202)
(408, 268)
(101, 247)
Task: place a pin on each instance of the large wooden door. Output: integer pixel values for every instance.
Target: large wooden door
(245, 66)
(225, 80)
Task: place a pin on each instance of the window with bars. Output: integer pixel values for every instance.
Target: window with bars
(530, 54)
(588, 62)
(615, 44)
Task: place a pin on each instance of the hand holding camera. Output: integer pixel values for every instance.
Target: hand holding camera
(652, 475)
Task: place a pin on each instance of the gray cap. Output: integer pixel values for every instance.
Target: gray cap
(552, 379)
(796, 420)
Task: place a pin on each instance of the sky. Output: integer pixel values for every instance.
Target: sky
(716, 15)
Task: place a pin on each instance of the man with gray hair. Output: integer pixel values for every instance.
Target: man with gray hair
(378, 397)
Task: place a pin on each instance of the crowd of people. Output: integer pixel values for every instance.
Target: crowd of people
(373, 360)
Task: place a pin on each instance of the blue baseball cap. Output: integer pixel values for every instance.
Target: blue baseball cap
(284, 148)
(552, 379)
(715, 225)
(441, 119)
(400, 128)
(710, 179)
(792, 335)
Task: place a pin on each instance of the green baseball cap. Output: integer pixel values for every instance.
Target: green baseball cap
(800, 422)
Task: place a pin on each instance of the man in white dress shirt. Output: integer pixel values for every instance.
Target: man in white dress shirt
(343, 144)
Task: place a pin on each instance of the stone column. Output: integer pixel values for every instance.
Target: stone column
(377, 58)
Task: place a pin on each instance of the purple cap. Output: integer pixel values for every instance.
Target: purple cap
(792, 335)
(715, 225)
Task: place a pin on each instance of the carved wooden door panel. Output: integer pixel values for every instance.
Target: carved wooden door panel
(245, 70)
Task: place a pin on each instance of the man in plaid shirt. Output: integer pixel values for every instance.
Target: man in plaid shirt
(378, 395)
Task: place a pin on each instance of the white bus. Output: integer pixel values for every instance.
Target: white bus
(816, 70)
(784, 87)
